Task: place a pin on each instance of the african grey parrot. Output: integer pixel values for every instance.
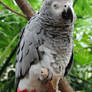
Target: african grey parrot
(45, 42)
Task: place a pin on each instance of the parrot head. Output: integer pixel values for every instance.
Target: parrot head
(58, 11)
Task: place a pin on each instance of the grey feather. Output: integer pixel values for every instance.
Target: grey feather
(27, 53)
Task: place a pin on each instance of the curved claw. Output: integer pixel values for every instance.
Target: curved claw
(46, 75)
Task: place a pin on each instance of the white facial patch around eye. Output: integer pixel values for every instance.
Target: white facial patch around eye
(55, 5)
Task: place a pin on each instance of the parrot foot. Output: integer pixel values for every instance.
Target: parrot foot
(46, 75)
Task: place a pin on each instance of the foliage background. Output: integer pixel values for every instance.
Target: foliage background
(80, 76)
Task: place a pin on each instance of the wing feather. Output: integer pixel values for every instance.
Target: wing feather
(27, 52)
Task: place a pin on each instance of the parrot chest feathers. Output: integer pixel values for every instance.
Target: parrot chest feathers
(56, 58)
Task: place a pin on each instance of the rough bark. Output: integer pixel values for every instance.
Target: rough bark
(65, 86)
(28, 11)
(26, 8)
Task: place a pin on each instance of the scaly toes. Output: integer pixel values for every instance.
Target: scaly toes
(46, 75)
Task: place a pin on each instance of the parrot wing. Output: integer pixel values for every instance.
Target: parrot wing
(27, 52)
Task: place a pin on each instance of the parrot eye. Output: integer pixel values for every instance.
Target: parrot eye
(55, 5)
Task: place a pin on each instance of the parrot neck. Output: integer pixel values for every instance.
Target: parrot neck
(25, 90)
(59, 32)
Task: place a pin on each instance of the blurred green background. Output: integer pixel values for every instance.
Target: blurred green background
(80, 76)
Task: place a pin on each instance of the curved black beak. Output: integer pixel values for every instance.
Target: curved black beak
(67, 14)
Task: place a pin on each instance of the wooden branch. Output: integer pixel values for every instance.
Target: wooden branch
(52, 85)
(12, 9)
(65, 86)
(25, 7)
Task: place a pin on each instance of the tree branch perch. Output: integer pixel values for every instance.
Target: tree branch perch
(12, 10)
(26, 8)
